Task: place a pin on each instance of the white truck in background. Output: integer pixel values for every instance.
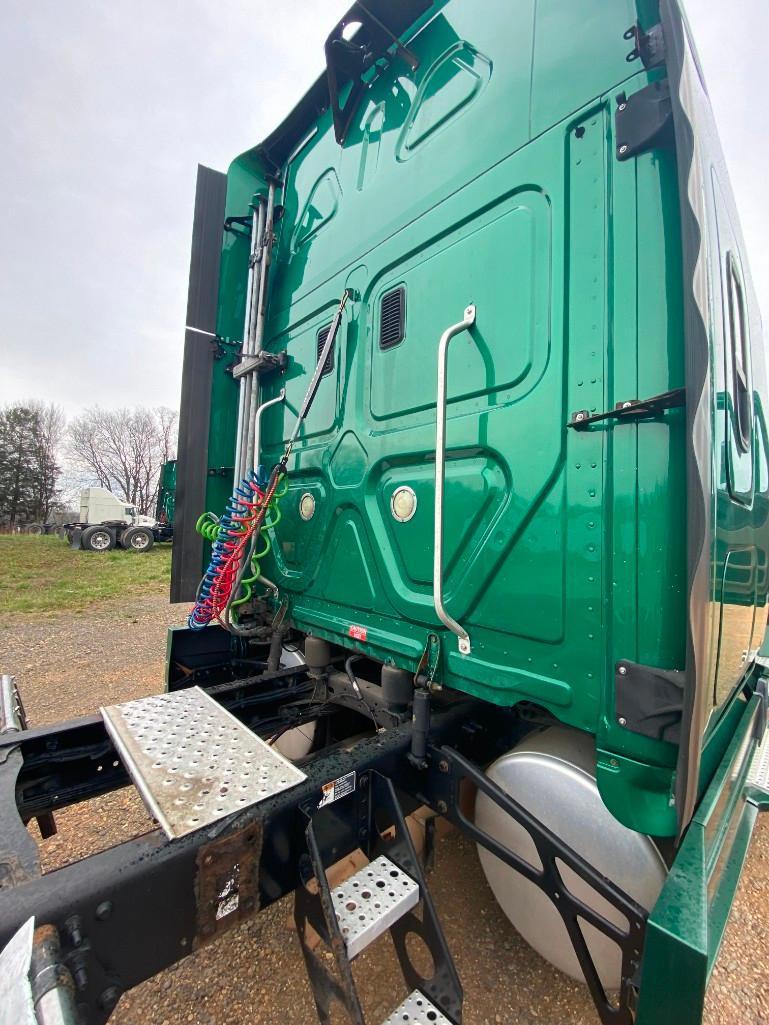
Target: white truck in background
(106, 521)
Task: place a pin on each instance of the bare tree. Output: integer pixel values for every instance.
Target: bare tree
(123, 450)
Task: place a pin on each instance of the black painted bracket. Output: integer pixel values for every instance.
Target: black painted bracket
(631, 409)
(649, 46)
(366, 39)
(644, 120)
(371, 818)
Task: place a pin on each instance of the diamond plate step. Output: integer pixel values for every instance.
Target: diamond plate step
(416, 1009)
(758, 773)
(370, 901)
(192, 762)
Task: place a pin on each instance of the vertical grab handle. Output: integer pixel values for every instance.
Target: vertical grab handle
(440, 474)
(258, 425)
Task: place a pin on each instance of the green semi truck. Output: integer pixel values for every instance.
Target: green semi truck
(472, 514)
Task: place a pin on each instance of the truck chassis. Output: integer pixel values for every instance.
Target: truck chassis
(112, 920)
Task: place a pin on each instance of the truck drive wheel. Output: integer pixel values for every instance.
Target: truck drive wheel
(34, 528)
(97, 539)
(137, 539)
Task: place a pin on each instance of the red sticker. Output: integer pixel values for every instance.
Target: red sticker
(358, 632)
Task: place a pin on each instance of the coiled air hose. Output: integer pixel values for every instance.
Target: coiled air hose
(251, 509)
(251, 513)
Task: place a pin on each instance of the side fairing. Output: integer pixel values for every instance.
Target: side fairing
(726, 447)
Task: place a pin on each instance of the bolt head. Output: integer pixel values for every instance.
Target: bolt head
(623, 670)
(104, 910)
(622, 106)
(579, 417)
(623, 149)
(627, 405)
(622, 721)
(443, 765)
(109, 998)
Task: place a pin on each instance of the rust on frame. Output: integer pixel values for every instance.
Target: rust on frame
(227, 883)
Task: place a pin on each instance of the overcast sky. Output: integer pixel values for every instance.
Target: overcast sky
(107, 108)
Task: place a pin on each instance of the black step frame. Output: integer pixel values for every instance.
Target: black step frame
(374, 821)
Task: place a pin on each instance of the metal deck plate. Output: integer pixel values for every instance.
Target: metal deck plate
(416, 1009)
(193, 762)
(758, 773)
(370, 901)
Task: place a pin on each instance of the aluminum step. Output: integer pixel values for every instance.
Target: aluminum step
(416, 1009)
(372, 900)
(192, 762)
(758, 773)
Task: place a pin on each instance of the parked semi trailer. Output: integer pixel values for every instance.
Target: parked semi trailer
(472, 510)
(105, 520)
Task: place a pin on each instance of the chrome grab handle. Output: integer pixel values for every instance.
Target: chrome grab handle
(258, 423)
(440, 473)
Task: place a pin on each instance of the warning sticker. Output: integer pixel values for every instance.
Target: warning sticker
(357, 632)
(337, 788)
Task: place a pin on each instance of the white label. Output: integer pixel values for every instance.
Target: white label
(228, 898)
(337, 788)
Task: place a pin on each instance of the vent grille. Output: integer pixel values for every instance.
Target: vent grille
(328, 366)
(392, 318)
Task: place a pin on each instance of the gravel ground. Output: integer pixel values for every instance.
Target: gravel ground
(69, 665)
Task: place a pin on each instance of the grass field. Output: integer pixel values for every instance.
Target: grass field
(41, 575)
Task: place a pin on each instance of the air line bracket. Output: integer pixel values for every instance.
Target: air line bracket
(263, 363)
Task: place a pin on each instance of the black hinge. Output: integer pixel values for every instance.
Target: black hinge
(649, 46)
(631, 409)
(644, 120)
